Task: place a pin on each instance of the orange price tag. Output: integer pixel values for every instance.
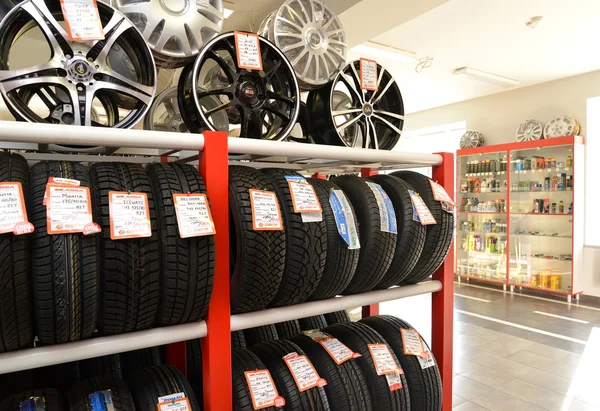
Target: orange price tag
(68, 209)
(180, 404)
(337, 350)
(423, 213)
(262, 390)
(59, 181)
(12, 207)
(193, 215)
(440, 194)
(303, 371)
(368, 74)
(411, 341)
(265, 210)
(383, 359)
(247, 46)
(82, 20)
(129, 215)
(304, 197)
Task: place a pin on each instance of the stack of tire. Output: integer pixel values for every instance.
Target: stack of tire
(307, 261)
(354, 382)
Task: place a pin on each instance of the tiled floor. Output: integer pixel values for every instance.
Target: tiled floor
(509, 358)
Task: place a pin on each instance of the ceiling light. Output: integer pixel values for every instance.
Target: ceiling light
(485, 77)
(227, 12)
(370, 48)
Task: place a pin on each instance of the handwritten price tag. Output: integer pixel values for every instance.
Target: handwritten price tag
(247, 47)
(368, 74)
(265, 210)
(421, 212)
(262, 390)
(304, 197)
(302, 370)
(193, 215)
(82, 20)
(129, 215)
(383, 360)
(68, 209)
(12, 207)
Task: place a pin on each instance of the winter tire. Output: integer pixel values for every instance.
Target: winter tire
(80, 396)
(135, 360)
(316, 322)
(148, 384)
(288, 329)
(244, 360)
(51, 399)
(238, 339)
(260, 334)
(106, 366)
(338, 317)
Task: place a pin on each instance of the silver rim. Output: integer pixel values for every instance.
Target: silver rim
(559, 127)
(312, 38)
(471, 139)
(530, 130)
(176, 30)
(263, 29)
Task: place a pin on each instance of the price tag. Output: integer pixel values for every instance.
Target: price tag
(247, 47)
(69, 209)
(262, 389)
(338, 351)
(421, 212)
(344, 218)
(304, 197)
(59, 181)
(193, 215)
(316, 335)
(12, 207)
(303, 371)
(176, 405)
(368, 74)
(387, 214)
(440, 194)
(411, 341)
(129, 215)
(383, 360)
(83, 23)
(99, 401)
(265, 210)
(394, 381)
(426, 360)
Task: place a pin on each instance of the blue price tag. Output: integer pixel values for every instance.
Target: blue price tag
(33, 404)
(101, 401)
(386, 209)
(344, 218)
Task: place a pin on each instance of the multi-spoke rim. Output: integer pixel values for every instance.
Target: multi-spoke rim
(530, 130)
(471, 139)
(312, 38)
(263, 29)
(371, 119)
(175, 35)
(82, 71)
(264, 103)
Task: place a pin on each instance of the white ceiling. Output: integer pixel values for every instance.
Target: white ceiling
(491, 36)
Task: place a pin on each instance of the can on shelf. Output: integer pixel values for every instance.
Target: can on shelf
(555, 282)
(569, 161)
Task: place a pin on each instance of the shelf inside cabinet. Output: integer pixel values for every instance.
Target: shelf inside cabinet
(543, 171)
(523, 260)
(541, 235)
(543, 214)
(481, 212)
(480, 232)
(483, 252)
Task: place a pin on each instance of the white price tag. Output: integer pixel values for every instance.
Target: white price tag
(68, 209)
(368, 74)
(426, 360)
(171, 397)
(193, 215)
(411, 340)
(83, 23)
(420, 210)
(383, 360)
(312, 217)
(12, 207)
(440, 194)
(262, 390)
(265, 210)
(338, 351)
(174, 402)
(304, 197)
(394, 381)
(247, 47)
(129, 215)
(303, 371)
(387, 214)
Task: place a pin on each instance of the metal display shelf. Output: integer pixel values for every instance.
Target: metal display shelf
(214, 152)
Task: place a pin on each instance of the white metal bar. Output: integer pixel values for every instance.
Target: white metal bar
(96, 347)
(89, 158)
(292, 312)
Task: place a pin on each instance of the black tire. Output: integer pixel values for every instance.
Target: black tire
(439, 236)
(16, 302)
(411, 233)
(257, 257)
(260, 334)
(341, 261)
(338, 317)
(15, 382)
(306, 246)
(187, 264)
(52, 400)
(134, 360)
(238, 339)
(316, 322)
(376, 247)
(60, 377)
(241, 361)
(425, 385)
(272, 353)
(148, 384)
(64, 267)
(346, 386)
(121, 397)
(194, 366)
(106, 366)
(357, 336)
(129, 269)
(288, 329)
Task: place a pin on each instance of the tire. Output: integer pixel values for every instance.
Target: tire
(439, 236)
(288, 329)
(376, 247)
(357, 336)
(148, 384)
(242, 361)
(272, 353)
(425, 385)
(64, 267)
(346, 386)
(306, 246)
(257, 257)
(194, 366)
(238, 340)
(260, 334)
(411, 233)
(52, 400)
(341, 262)
(338, 317)
(129, 269)
(134, 360)
(316, 322)
(16, 302)
(121, 397)
(106, 366)
(60, 377)
(16, 382)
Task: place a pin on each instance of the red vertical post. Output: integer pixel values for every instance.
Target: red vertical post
(373, 309)
(216, 347)
(442, 304)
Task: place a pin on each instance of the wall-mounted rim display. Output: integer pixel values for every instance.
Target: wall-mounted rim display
(175, 31)
(530, 130)
(345, 115)
(259, 104)
(78, 77)
(471, 139)
(561, 126)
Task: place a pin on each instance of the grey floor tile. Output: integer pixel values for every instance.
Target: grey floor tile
(457, 400)
(540, 396)
(469, 406)
(461, 365)
(500, 401)
(548, 380)
(489, 377)
(467, 388)
(499, 349)
(531, 359)
(573, 358)
(548, 351)
(470, 339)
(574, 405)
(560, 368)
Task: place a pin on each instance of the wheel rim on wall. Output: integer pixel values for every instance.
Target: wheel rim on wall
(176, 30)
(81, 73)
(265, 104)
(373, 119)
(530, 130)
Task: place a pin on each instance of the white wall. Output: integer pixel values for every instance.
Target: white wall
(498, 116)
